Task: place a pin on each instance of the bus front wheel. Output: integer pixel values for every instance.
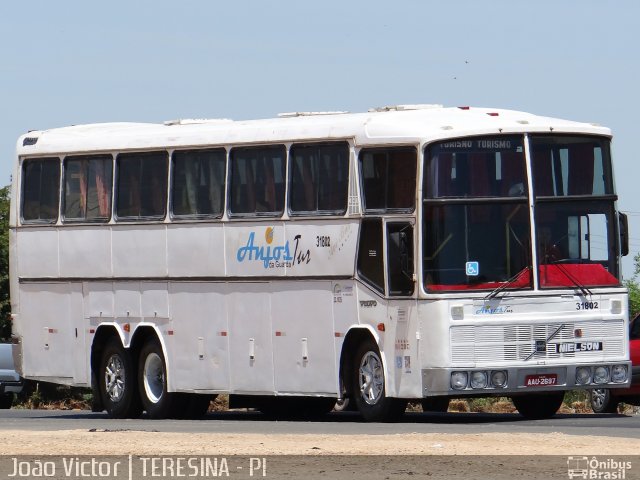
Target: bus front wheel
(118, 387)
(368, 386)
(152, 382)
(538, 406)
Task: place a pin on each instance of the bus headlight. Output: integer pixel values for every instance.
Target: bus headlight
(499, 378)
(478, 379)
(583, 375)
(619, 373)
(459, 380)
(601, 375)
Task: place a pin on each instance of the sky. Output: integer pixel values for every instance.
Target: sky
(72, 62)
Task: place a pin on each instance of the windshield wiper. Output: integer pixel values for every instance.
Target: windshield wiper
(583, 288)
(507, 283)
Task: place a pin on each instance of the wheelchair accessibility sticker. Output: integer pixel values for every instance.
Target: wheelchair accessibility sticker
(473, 269)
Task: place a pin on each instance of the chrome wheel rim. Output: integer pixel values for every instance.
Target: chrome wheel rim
(598, 398)
(153, 376)
(114, 378)
(371, 378)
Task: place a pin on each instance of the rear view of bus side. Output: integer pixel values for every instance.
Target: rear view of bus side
(410, 252)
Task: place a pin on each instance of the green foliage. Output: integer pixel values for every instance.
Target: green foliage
(634, 288)
(5, 303)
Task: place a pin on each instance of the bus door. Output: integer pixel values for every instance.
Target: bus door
(401, 306)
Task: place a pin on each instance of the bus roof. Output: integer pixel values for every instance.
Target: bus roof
(391, 125)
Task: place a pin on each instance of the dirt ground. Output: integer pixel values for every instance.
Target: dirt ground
(82, 442)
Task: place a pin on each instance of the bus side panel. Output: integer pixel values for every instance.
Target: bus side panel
(53, 332)
(195, 250)
(402, 356)
(139, 251)
(250, 338)
(38, 252)
(85, 251)
(199, 348)
(304, 350)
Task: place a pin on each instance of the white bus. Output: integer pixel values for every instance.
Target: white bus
(410, 252)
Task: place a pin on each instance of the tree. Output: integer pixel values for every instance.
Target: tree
(634, 288)
(5, 302)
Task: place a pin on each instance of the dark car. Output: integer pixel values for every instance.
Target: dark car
(10, 381)
(604, 400)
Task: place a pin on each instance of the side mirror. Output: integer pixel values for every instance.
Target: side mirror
(624, 234)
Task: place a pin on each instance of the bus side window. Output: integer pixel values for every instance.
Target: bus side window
(389, 179)
(142, 185)
(87, 188)
(319, 178)
(400, 258)
(256, 177)
(370, 257)
(198, 183)
(40, 190)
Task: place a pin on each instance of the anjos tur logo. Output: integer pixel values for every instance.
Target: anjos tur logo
(268, 235)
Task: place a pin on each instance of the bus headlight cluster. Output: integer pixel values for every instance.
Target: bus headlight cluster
(459, 380)
(583, 375)
(601, 374)
(619, 373)
(479, 379)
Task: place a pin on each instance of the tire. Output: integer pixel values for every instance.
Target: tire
(536, 406)
(152, 383)
(435, 404)
(6, 401)
(602, 401)
(343, 404)
(368, 386)
(118, 383)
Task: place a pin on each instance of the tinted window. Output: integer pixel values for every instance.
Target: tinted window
(319, 178)
(566, 166)
(87, 188)
(257, 181)
(370, 257)
(198, 183)
(40, 190)
(476, 167)
(142, 185)
(389, 179)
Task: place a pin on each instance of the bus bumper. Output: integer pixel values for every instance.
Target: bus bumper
(503, 381)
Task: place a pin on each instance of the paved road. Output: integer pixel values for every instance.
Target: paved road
(335, 423)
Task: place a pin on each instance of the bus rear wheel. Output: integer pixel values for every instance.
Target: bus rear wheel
(118, 387)
(368, 389)
(536, 406)
(152, 381)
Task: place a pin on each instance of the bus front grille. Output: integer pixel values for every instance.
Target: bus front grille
(485, 344)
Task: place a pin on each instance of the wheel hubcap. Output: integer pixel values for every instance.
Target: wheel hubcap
(114, 378)
(371, 378)
(153, 377)
(597, 398)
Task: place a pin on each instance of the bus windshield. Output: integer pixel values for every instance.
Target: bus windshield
(476, 226)
(574, 204)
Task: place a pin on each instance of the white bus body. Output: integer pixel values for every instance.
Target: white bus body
(423, 296)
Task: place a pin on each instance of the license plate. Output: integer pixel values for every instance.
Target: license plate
(542, 380)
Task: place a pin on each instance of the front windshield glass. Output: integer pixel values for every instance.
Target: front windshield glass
(476, 219)
(575, 228)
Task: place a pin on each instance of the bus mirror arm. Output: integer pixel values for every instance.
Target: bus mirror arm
(624, 234)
